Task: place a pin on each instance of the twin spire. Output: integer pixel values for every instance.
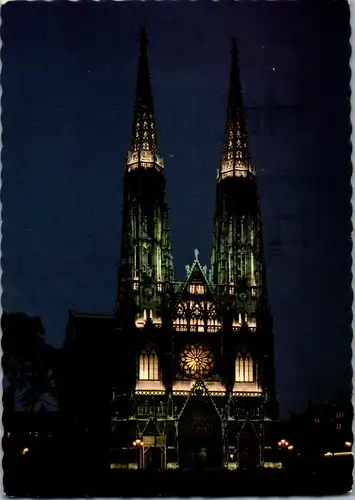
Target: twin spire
(144, 147)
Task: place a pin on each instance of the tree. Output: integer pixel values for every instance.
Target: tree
(26, 363)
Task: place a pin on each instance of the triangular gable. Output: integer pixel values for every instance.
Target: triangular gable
(195, 275)
(247, 425)
(199, 389)
(150, 429)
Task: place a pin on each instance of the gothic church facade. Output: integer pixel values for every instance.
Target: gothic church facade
(184, 371)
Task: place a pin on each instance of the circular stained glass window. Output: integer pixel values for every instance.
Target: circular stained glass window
(196, 360)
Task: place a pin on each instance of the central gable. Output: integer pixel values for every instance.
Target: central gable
(195, 308)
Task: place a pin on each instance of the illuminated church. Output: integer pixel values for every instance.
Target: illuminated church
(182, 375)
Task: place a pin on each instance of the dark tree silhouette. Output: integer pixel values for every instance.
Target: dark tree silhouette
(28, 363)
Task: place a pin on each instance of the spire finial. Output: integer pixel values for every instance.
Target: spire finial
(235, 158)
(196, 253)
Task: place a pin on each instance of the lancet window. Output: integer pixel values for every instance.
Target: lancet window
(196, 289)
(244, 368)
(159, 276)
(242, 263)
(180, 321)
(148, 366)
(230, 251)
(252, 268)
(135, 261)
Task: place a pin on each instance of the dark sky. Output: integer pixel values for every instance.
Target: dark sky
(68, 77)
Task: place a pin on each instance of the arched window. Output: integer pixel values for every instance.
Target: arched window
(148, 366)
(252, 268)
(159, 275)
(244, 368)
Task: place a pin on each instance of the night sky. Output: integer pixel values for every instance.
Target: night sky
(68, 77)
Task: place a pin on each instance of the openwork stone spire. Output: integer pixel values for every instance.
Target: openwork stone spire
(146, 260)
(144, 147)
(235, 158)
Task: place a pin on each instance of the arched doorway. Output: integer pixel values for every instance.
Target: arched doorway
(200, 435)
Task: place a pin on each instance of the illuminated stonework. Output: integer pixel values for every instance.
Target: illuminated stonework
(235, 169)
(144, 159)
(196, 289)
(196, 360)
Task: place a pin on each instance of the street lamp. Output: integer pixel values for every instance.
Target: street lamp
(139, 443)
(283, 443)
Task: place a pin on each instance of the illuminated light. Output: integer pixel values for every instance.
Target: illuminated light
(244, 370)
(252, 322)
(148, 366)
(24, 451)
(272, 465)
(239, 168)
(140, 322)
(196, 360)
(338, 454)
(197, 289)
(144, 159)
(347, 443)
(250, 388)
(290, 447)
(283, 443)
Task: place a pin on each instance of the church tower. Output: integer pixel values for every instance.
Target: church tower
(238, 270)
(146, 262)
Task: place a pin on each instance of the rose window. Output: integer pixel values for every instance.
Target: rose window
(196, 360)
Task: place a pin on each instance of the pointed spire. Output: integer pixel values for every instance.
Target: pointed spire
(144, 129)
(235, 156)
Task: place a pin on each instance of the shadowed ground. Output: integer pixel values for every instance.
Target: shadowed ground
(55, 481)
